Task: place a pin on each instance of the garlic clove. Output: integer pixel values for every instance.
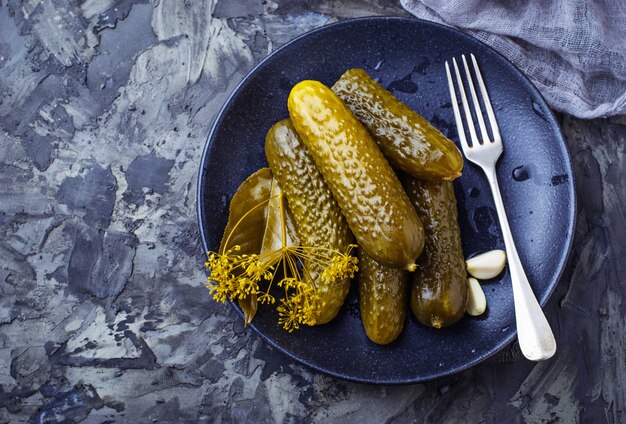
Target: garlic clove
(476, 301)
(486, 265)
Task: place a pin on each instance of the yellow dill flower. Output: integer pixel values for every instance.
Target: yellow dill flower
(309, 304)
(246, 287)
(220, 292)
(341, 266)
(266, 299)
(289, 283)
(288, 315)
(256, 269)
(238, 276)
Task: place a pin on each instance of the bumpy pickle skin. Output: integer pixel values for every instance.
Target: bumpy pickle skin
(365, 186)
(439, 287)
(408, 140)
(382, 299)
(317, 215)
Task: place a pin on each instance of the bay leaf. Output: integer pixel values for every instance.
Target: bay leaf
(249, 306)
(246, 226)
(248, 207)
(255, 224)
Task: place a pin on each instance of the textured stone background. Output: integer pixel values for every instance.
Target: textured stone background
(104, 109)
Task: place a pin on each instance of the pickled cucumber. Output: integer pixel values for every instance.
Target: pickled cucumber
(382, 299)
(408, 140)
(317, 216)
(439, 287)
(365, 186)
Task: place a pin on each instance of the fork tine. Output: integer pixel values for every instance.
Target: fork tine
(466, 108)
(457, 112)
(492, 117)
(478, 112)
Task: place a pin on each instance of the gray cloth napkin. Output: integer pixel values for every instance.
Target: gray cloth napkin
(574, 51)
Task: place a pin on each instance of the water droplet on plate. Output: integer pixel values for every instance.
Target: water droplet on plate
(520, 173)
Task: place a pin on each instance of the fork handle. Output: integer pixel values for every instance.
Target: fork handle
(535, 336)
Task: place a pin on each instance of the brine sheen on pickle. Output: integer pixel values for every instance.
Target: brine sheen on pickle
(408, 140)
(439, 286)
(382, 299)
(365, 186)
(317, 215)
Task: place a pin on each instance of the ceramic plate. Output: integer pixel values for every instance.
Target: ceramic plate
(407, 56)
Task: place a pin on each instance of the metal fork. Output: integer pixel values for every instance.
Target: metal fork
(533, 331)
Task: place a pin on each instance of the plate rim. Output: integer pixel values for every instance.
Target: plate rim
(556, 128)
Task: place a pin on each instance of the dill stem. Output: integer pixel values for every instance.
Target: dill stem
(269, 286)
(293, 267)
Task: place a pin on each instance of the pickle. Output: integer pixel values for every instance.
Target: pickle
(368, 191)
(408, 140)
(382, 299)
(439, 287)
(317, 216)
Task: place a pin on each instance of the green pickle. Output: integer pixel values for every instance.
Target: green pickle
(408, 140)
(439, 288)
(365, 186)
(317, 215)
(382, 299)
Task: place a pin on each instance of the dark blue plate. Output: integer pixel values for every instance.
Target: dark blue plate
(535, 175)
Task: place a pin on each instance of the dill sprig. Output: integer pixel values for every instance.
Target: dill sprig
(235, 276)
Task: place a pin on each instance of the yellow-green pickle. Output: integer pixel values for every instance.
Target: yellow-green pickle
(317, 215)
(439, 287)
(408, 140)
(365, 186)
(382, 299)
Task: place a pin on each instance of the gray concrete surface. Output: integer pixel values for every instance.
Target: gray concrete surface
(104, 110)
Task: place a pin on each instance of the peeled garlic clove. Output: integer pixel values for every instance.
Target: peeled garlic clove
(476, 302)
(486, 265)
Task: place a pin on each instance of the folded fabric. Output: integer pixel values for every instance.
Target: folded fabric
(574, 51)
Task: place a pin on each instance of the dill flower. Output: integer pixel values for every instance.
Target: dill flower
(289, 283)
(341, 266)
(288, 315)
(238, 276)
(266, 299)
(246, 287)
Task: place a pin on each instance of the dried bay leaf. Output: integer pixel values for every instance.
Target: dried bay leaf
(255, 224)
(249, 306)
(248, 207)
